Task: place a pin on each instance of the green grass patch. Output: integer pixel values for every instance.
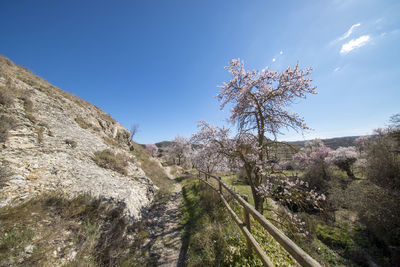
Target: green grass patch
(213, 239)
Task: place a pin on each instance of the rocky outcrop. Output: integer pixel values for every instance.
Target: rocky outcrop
(52, 141)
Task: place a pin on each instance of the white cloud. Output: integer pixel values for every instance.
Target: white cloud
(355, 43)
(274, 59)
(281, 53)
(336, 69)
(349, 32)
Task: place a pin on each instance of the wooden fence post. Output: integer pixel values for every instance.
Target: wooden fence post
(246, 220)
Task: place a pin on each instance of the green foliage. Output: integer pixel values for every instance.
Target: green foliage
(109, 160)
(213, 238)
(335, 237)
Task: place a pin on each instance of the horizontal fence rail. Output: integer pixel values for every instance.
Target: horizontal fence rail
(295, 251)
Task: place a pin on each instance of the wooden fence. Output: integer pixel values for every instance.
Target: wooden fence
(295, 251)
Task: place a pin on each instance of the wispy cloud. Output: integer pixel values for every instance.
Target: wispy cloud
(336, 69)
(354, 44)
(349, 32)
(346, 34)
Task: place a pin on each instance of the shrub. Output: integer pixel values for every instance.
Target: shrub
(40, 134)
(4, 174)
(71, 143)
(6, 96)
(96, 230)
(6, 124)
(82, 123)
(383, 161)
(344, 158)
(109, 160)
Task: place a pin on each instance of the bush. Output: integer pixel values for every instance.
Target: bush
(6, 124)
(6, 96)
(71, 143)
(4, 174)
(82, 123)
(107, 159)
(383, 161)
(94, 229)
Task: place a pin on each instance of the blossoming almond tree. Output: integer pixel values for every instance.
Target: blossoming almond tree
(179, 149)
(260, 101)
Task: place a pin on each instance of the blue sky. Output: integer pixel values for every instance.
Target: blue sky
(158, 63)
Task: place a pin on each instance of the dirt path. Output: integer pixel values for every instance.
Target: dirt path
(165, 230)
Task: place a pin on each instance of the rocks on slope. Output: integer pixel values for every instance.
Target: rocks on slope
(51, 141)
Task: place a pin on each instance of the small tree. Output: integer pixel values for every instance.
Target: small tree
(133, 130)
(179, 148)
(344, 158)
(260, 101)
(152, 148)
(311, 159)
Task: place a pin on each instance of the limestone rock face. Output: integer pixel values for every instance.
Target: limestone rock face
(52, 142)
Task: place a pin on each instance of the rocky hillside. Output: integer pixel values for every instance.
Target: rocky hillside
(53, 140)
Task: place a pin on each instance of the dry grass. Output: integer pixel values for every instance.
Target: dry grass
(82, 123)
(111, 142)
(6, 124)
(95, 230)
(109, 160)
(6, 96)
(40, 131)
(152, 169)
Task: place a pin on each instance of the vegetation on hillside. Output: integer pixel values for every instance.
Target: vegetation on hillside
(52, 229)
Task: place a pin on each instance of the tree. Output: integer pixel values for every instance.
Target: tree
(260, 101)
(152, 148)
(179, 148)
(311, 159)
(205, 156)
(133, 130)
(344, 158)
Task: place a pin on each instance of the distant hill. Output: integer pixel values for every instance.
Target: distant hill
(332, 143)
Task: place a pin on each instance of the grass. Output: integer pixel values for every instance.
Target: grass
(238, 186)
(109, 160)
(153, 170)
(213, 238)
(111, 142)
(32, 233)
(6, 95)
(82, 123)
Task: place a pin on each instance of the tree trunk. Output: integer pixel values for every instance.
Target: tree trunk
(258, 201)
(350, 174)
